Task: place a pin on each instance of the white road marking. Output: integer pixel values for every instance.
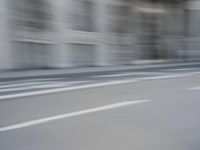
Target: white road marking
(45, 79)
(31, 80)
(182, 69)
(146, 73)
(194, 88)
(55, 84)
(68, 115)
(112, 75)
(93, 85)
(128, 74)
(25, 84)
(75, 82)
(49, 91)
(195, 73)
(165, 77)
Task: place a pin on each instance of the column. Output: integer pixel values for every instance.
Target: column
(5, 54)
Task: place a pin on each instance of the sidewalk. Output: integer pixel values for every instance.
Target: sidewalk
(54, 72)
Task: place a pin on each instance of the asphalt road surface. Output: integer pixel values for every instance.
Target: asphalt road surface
(124, 110)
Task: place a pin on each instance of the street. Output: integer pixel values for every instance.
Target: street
(142, 110)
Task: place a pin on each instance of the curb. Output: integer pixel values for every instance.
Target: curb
(54, 72)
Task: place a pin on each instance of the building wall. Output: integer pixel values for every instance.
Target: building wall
(77, 33)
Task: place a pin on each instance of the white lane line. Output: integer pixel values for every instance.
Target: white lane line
(146, 73)
(55, 85)
(75, 82)
(117, 75)
(128, 74)
(40, 86)
(172, 76)
(25, 84)
(195, 73)
(194, 88)
(45, 79)
(93, 85)
(31, 80)
(112, 75)
(182, 69)
(68, 115)
(165, 77)
(79, 87)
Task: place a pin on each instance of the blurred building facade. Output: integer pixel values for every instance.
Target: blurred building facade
(77, 33)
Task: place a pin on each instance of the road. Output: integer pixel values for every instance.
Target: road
(143, 110)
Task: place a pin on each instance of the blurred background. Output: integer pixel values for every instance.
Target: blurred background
(39, 34)
(99, 74)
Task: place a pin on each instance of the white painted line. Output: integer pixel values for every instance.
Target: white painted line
(25, 84)
(165, 77)
(79, 87)
(146, 73)
(93, 85)
(195, 73)
(68, 115)
(169, 76)
(182, 69)
(128, 74)
(75, 82)
(49, 91)
(45, 79)
(55, 85)
(194, 88)
(41, 86)
(30, 80)
(112, 75)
